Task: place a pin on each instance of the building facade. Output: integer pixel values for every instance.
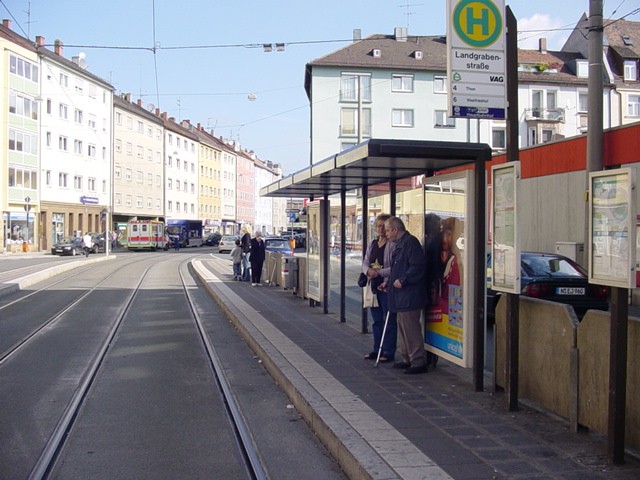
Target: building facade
(138, 171)
(76, 154)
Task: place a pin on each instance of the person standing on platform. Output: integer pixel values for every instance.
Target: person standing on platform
(406, 294)
(256, 257)
(376, 265)
(245, 244)
(236, 257)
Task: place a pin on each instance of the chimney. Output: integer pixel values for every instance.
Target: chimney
(139, 102)
(163, 115)
(542, 44)
(6, 23)
(400, 33)
(58, 48)
(357, 34)
(127, 97)
(157, 112)
(40, 41)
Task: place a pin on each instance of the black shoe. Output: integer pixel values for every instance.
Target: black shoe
(371, 356)
(385, 359)
(415, 370)
(401, 365)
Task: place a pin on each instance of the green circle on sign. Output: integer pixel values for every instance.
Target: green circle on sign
(488, 35)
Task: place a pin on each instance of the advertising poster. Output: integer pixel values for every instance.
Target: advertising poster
(444, 244)
(313, 251)
(612, 229)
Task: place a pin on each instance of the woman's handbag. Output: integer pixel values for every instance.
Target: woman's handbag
(370, 299)
(362, 280)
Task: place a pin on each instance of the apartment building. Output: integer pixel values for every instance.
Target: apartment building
(76, 146)
(228, 162)
(20, 140)
(267, 208)
(395, 86)
(621, 57)
(245, 190)
(209, 159)
(181, 171)
(138, 158)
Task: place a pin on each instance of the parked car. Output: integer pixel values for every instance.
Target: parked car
(97, 242)
(278, 245)
(213, 239)
(556, 278)
(227, 242)
(67, 246)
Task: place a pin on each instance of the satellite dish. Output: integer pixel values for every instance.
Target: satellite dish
(82, 60)
(151, 107)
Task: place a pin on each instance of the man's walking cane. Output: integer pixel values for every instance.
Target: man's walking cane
(384, 330)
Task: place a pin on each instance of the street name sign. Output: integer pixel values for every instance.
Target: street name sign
(476, 58)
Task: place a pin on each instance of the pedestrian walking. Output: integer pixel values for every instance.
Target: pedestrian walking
(86, 244)
(236, 257)
(406, 288)
(245, 244)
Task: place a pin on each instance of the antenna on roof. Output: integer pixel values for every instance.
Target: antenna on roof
(408, 13)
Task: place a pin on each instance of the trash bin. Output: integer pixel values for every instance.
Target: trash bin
(25, 246)
(290, 272)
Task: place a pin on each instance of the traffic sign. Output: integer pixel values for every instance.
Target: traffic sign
(476, 59)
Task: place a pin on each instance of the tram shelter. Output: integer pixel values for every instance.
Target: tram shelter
(391, 166)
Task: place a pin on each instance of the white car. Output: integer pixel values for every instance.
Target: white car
(227, 242)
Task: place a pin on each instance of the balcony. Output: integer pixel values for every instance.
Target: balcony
(544, 115)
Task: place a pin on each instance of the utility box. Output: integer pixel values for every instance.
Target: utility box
(290, 273)
(572, 250)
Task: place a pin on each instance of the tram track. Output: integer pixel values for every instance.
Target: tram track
(47, 464)
(52, 318)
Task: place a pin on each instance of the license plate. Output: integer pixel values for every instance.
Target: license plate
(570, 290)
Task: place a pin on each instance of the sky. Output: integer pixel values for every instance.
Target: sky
(209, 65)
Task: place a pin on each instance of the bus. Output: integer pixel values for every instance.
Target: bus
(187, 232)
(146, 235)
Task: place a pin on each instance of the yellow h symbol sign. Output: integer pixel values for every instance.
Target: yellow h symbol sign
(472, 21)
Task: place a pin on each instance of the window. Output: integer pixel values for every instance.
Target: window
(91, 184)
(77, 116)
(170, 205)
(127, 200)
(169, 184)
(64, 80)
(630, 71)
(349, 122)
(443, 120)
(351, 84)
(79, 87)
(139, 176)
(23, 106)
(48, 139)
(536, 103)
(401, 83)
(177, 142)
(582, 68)
(547, 135)
(129, 148)
(23, 68)
(118, 146)
(91, 150)
(49, 106)
(139, 151)
(499, 138)
(118, 199)
(63, 143)
(117, 173)
(77, 147)
(47, 178)
(91, 121)
(77, 182)
(140, 127)
(63, 111)
(62, 180)
(149, 178)
(633, 106)
(130, 123)
(402, 118)
(118, 118)
(23, 142)
(128, 174)
(139, 201)
(583, 102)
(439, 84)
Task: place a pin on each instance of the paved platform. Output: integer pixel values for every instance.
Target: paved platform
(381, 424)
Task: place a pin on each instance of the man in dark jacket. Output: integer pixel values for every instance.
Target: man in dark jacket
(256, 257)
(407, 295)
